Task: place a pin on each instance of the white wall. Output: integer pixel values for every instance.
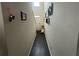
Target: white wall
(19, 34)
(3, 49)
(39, 11)
(39, 22)
(62, 33)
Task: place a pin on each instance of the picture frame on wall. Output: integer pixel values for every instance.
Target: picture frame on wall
(50, 10)
(48, 20)
(49, 13)
(23, 16)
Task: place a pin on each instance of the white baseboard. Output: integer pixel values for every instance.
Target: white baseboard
(49, 48)
(31, 46)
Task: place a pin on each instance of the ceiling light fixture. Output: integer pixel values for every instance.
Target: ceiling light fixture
(37, 16)
(36, 4)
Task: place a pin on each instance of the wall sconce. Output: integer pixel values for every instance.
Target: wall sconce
(11, 17)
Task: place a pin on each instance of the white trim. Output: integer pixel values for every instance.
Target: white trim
(48, 46)
(49, 49)
(31, 46)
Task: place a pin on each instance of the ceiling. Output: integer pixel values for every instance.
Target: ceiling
(39, 11)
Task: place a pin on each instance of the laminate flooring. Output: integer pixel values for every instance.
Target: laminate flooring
(40, 47)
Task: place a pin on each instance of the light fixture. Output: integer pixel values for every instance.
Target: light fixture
(37, 16)
(36, 4)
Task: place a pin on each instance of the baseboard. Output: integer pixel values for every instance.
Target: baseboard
(31, 46)
(49, 47)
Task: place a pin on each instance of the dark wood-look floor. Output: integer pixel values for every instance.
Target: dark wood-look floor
(40, 47)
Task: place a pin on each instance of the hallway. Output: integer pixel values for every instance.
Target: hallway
(40, 47)
(19, 22)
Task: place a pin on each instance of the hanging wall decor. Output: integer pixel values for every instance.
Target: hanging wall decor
(11, 13)
(23, 16)
(48, 20)
(48, 13)
(50, 10)
(11, 17)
